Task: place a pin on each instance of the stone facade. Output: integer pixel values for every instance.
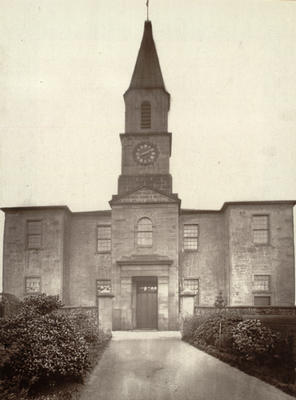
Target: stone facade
(275, 259)
(86, 264)
(47, 262)
(146, 255)
(159, 260)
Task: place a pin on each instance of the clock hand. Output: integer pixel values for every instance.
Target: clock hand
(146, 152)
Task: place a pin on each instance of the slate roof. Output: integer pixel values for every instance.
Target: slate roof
(147, 73)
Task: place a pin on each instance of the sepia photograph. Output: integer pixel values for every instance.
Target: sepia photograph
(147, 199)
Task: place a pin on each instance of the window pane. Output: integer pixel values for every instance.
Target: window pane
(262, 282)
(191, 233)
(32, 285)
(34, 227)
(190, 243)
(260, 236)
(144, 232)
(147, 287)
(260, 221)
(104, 245)
(190, 230)
(104, 232)
(145, 224)
(262, 301)
(104, 238)
(145, 238)
(34, 234)
(34, 241)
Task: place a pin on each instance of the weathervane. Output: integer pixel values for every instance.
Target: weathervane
(147, 5)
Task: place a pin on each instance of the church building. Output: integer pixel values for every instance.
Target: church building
(146, 253)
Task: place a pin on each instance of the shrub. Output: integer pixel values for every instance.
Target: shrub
(211, 329)
(216, 329)
(39, 345)
(41, 304)
(229, 321)
(88, 328)
(220, 302)
(254, 341)
(190, 324)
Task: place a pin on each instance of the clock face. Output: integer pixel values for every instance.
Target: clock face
(145, 153)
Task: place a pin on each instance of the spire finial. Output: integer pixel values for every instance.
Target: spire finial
(147, 5)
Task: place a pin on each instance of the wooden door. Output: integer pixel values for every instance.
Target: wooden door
(146, 306)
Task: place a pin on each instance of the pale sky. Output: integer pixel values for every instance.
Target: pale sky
(230, 69)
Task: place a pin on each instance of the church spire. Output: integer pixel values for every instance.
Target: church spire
(147, 73)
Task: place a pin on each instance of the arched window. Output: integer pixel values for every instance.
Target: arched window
(145, 115)
(144, 232)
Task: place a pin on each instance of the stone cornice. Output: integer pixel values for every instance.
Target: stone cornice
(141, 261)
(105, 295)
(154, 197)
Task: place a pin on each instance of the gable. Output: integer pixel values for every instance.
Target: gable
(144, 196)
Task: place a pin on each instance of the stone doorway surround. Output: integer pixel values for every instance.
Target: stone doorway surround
(143, 267)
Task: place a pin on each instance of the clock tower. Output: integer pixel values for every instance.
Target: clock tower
(145, 212)
(146, 143)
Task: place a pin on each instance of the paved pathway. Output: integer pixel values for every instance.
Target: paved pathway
(159, 366)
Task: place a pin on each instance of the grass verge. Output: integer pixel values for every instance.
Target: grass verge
(262, 372)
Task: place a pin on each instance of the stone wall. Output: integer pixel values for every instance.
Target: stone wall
(66, 258)
(250, 311)
(9, 305)
(208, 262)
(149, 261)
(90, 312)
(161, 182)
(159, 101)
(161, 164)
(46, 262)
(275, 259)
(86, 264)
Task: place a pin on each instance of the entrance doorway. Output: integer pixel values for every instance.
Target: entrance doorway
(146, 303)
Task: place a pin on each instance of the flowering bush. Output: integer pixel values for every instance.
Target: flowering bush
(254, 341)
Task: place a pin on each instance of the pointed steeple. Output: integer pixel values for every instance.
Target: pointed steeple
(146, 135)
(147, 73)
(147, 102)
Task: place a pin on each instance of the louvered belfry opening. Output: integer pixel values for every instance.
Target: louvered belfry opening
(145, 115)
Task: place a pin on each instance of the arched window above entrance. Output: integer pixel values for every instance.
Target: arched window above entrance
(145, 115)
(144, 232)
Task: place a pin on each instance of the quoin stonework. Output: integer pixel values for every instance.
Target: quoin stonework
(145, 260)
